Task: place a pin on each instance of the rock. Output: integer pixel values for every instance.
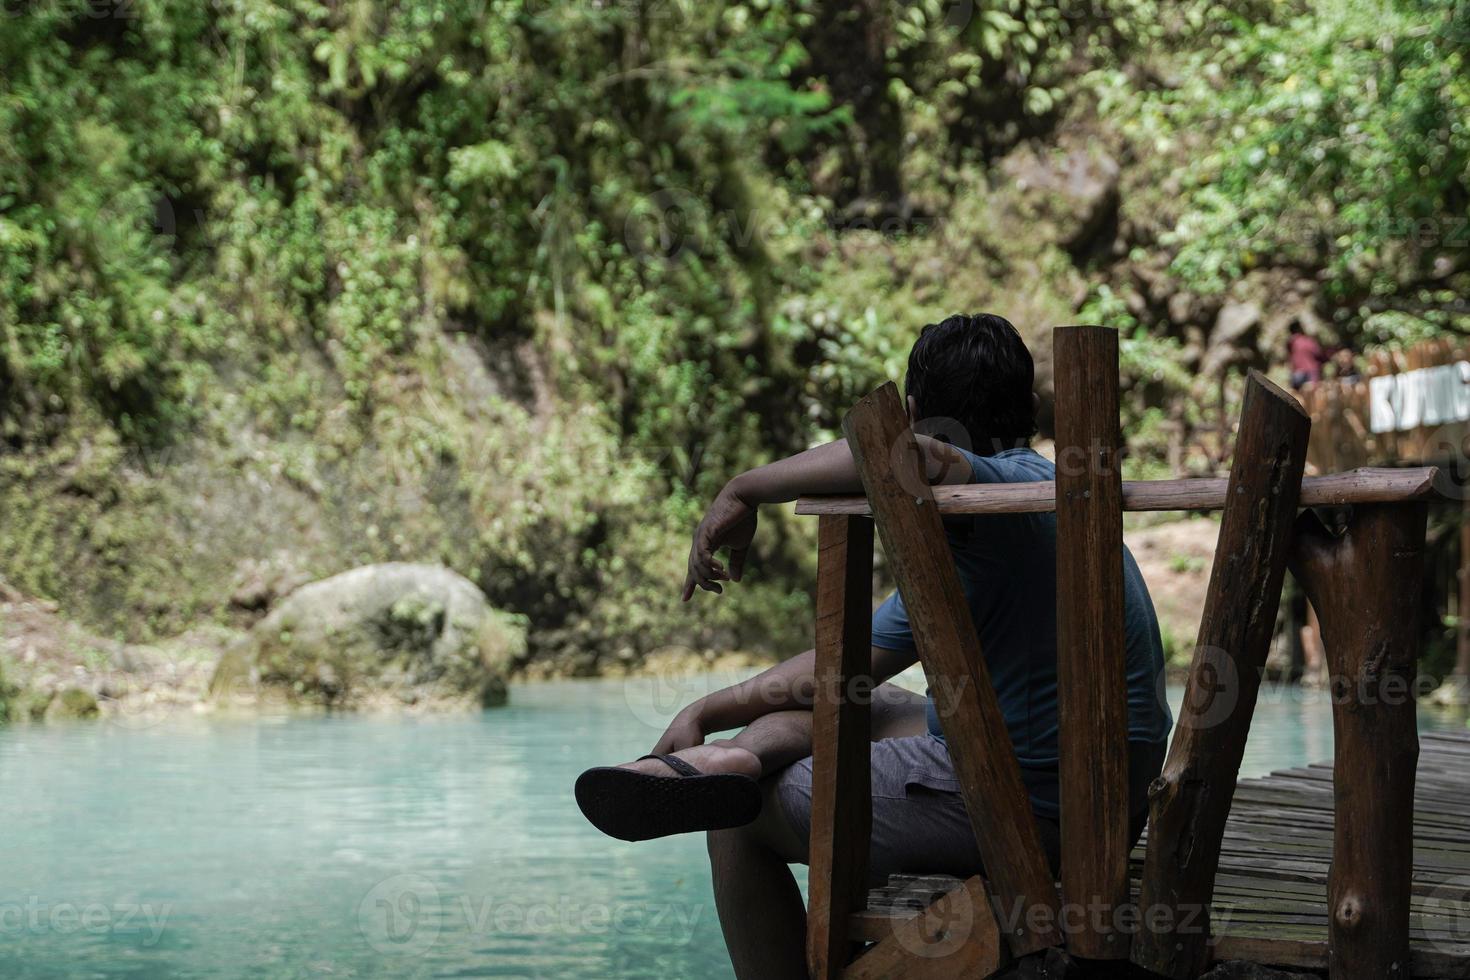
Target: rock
(1243, 970)
(1454, 692)
(1183, 307)
(71, 702)
(259, 583)
(1136, 302)
(1236, 319)
(396, 633)
(1075, 191)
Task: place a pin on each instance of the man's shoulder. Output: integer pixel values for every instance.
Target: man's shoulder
(1024, 465)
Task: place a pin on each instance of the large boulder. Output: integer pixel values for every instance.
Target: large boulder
(1072, 192)
(379, 635)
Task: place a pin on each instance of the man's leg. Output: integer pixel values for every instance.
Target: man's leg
(760, 906)
(759, 903)
(774, 741)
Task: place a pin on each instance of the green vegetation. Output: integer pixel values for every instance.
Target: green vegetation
(1186, 564)
(1333, 139)
(515, 285)
(10, 694)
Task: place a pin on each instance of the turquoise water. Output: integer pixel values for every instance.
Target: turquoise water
(369, 846)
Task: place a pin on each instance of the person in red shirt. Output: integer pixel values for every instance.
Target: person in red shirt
(1305, 355)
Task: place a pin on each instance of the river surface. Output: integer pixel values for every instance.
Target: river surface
(208, 846)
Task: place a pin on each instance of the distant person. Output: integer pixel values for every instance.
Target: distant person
(1345, 366)
(753, 792)
(1305, 355)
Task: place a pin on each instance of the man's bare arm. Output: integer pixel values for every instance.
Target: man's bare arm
(830, 469)
(731, 519)
(786, 686)
(730, 523)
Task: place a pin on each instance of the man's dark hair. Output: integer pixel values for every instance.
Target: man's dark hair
(977, 371)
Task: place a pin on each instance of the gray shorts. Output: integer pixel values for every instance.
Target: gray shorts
(919, 821)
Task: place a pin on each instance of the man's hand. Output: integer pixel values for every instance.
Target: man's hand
(685, 730)
(730, 523)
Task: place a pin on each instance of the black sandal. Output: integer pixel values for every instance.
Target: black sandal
(632, 805)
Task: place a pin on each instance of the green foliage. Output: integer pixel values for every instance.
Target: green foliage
(186, 183)
(1186, 564)
(10, 694)
(302, 200)
(87, 304)
(1332, 138)
(517, 284)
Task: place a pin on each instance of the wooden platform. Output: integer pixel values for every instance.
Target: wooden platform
(1270, 894)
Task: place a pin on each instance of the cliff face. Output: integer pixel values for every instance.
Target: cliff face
(287, 288)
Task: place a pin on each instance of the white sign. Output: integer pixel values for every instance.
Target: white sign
(1426, 396)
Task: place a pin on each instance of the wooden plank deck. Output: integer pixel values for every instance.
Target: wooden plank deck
(1270, 902)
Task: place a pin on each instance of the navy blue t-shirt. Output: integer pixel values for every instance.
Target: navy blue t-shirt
(1008, 568)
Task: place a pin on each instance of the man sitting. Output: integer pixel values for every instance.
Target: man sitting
(969, 379)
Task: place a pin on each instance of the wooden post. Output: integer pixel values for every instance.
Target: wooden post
(1296, 617)
(893, 474)
(1092, 686)
(1462, 627)
(1190, 801)
(842, 806)
(1366, 588)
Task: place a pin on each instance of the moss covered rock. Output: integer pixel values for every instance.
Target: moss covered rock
(379, 635)
(71, 702)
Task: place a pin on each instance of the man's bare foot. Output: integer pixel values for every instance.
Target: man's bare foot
(711, 758)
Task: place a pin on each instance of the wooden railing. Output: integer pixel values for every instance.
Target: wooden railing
(1364, 581)
(1368, 485)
